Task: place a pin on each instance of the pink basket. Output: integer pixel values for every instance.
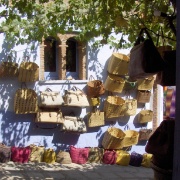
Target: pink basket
(79, 155)
(20, 154)
(109, 157)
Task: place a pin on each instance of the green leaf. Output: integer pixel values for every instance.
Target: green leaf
(92, 18)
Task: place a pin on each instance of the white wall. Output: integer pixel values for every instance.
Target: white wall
(21, 130)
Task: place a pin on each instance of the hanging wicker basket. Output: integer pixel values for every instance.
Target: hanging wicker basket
(143, 96)
(114, 83)
(28, 72)
(131, 138)
(25, 101)
(146, 83)
(114, 106)
(118, 64)
(112, 138)
(145, 116)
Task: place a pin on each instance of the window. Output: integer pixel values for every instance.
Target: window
(71, 58)
(62, 57)
(50, 54)
(50, 58)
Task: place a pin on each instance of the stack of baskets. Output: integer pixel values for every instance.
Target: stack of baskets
(115, 138)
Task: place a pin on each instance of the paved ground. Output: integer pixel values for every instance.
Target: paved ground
(43, 171)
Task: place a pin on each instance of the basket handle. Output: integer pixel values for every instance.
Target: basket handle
(131, 82)
(26, 59)
(36, 144)
(48, 89)
(97, 111)
(149, 78)
(130, 106)
(127, 95)
(127, 148)
(112, 123)
(91, 78)
(144, 91)
(23, 83)
(75, 88)
(140, 36)
(110, 93)
(126, 127)
(148, 113)
(9, 58)
(148, 130)
(144, 108)
(115, 50)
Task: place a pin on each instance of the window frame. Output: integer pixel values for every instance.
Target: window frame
(61, 57)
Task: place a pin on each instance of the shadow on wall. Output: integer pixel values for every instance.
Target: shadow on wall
(17, 130)
(9, 49)
(14, 127)
(95, 66)
(8, 85)
(62, 140)
(100, 136)
(7, 91)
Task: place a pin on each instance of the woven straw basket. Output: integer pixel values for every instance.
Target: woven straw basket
(114, 83)
(144, 134)
(9, 69)
(95, 155)
(75, 97)
(145, 116)
(147, 159)
(63, 157)
(28, 72)
(95, 119)
(118, 64)
(37, 153)
(49, 156)
(95, 88)
(143, 96)
(123, 158)
(112, 138)
(94, 101)
(131, 138)
(114, 106)
(146, 83)
(25, 101)
(131, 107)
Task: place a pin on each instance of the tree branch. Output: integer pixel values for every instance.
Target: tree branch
(153, 31)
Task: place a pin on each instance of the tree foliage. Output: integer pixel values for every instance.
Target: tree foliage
(31, 20)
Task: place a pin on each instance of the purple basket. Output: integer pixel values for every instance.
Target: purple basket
(135, 159)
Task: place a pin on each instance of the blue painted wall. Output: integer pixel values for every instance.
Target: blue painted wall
(20, 129)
